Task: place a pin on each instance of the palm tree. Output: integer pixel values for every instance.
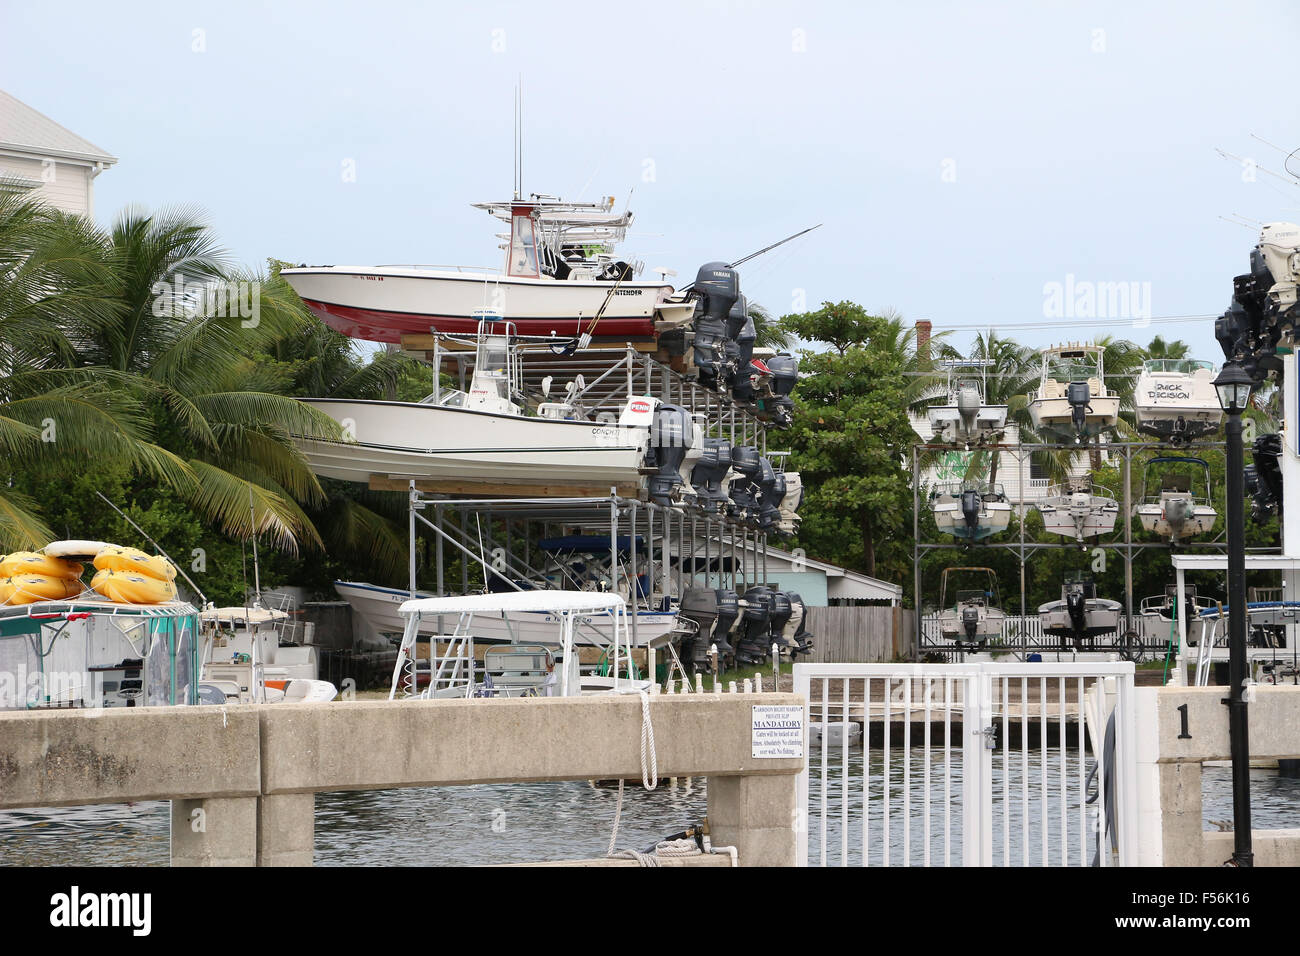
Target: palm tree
(1160, 349)
(768, 331)
(131, 356)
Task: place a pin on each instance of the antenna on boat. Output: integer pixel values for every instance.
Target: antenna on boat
(257, 572)
(519, 136)
(188, 580)
(765, 249)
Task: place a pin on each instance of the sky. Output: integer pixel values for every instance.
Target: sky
(977, 165)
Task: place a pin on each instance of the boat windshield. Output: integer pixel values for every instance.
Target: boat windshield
(452, 399)
(1184, 366)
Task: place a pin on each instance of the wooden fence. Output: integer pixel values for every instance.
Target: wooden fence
(860, 634)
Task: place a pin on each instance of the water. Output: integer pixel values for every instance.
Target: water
(516, 823)
(496, 823)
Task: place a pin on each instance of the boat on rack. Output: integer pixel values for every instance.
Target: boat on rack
(1179, 506)
(485, 435)
(560, 278)
(1079, 615)
(1072, 399)
(964, 419)
(970, 510)
(381, 608)
(970, 615)
(1175, 399)
(248, 656)
(1079, 509)
(545, 667)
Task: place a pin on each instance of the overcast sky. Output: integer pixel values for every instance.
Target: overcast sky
(962, 156)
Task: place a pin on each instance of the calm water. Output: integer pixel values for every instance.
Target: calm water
(509, 823)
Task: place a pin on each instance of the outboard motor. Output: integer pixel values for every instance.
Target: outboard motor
(772, 514)
(755, 626)
(742, 386)
(1267, 490)
(968, 408)
(785, 375)
(769, 511)
(708, 473)
(1078, 395)
(790, 521)
(1076, 606)
(799, 636)
(972, 503)
(728, 611)
(718, 287)
(1176, 513)
(970, 621)
(745, 460)
(671, 434)
(779, 618)
(737, 320)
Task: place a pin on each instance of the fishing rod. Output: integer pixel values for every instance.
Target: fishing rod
(202, 598)
(764, 250)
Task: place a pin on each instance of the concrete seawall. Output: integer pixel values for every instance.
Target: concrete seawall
(242, 779)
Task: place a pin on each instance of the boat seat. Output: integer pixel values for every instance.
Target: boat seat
(1052, 389)
(518, 668)
(1095, 388)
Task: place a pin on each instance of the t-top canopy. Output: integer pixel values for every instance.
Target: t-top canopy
(537, 600)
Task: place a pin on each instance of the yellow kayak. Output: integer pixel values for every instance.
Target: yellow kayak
(30, 562)
(117, 558)
(132, 587)
(30, 588)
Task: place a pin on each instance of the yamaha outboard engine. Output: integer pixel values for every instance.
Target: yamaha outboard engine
(708, 473)
(972, 503)
(742, 386)
(1267, 490)
(785, 374)
(1076, 606)
(800, 636)
(780, 617)
(772, 506)
(718, 287)
(737, 320)
(745, 460)
(755, 626)
(671, 434)
(769, 501)
(1078, 395)
(970, 621)
(728, 611)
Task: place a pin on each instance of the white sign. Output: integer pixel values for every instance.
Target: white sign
(777, 730)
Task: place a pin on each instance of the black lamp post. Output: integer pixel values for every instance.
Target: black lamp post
(1233, 386)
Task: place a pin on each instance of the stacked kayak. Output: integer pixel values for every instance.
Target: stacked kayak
(131, 576)
(29, 576)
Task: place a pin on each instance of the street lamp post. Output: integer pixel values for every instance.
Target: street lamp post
(1233, 386)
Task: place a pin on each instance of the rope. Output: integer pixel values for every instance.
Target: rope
(649, 777)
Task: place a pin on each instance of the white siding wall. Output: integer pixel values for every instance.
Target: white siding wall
(1010, 471)
(65, 186)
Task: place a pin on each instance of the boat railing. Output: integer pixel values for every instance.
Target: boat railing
(441, 267)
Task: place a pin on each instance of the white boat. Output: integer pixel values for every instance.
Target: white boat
(381, 608)
(1175, 399)
(91, 652)
(1072, 398)
(970, 510)
(1180, 506)
(559, 278)
(247, 658)
(535, 668)
(1079, 615)
(834, 733)
(1078, 509)
(965, 419)
(970, 615)
(485, 435)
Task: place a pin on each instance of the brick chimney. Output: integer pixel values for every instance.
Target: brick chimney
(923, 329)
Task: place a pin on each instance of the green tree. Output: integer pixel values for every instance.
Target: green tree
(849, 438)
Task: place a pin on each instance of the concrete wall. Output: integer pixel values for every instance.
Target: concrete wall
(242, 779)
(1170, 752)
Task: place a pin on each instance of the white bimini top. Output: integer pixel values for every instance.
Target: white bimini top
(538, 600)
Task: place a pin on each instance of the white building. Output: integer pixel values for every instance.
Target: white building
(39, 156)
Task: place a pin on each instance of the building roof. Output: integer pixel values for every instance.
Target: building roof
(841, 583)
(23, 129)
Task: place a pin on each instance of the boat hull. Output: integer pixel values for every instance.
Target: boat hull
(989, 626)
(411, 440)
(1054, 415)
(1078, 516)
(384, 304)
(1155, 517)
(1100, 617)
(379, 606)
(994, 518)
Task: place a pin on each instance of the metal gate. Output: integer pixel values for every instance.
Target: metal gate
(968, 764)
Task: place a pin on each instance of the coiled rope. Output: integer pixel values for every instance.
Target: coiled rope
(649, 780)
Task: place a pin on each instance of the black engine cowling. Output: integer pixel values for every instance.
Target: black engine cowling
(671, 435)
(717, 287)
